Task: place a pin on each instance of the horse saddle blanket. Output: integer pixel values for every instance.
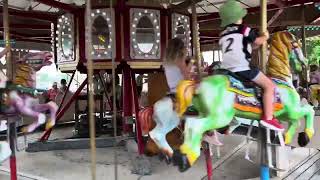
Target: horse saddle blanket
(249, 99)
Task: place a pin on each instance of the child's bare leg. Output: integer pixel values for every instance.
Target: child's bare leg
(268, 96)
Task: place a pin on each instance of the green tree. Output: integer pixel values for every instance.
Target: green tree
(313, 51)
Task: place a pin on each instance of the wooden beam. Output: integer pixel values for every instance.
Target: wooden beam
(270, 7)
(184, 5)
(33, 14)
(63, 6)
(30, 26)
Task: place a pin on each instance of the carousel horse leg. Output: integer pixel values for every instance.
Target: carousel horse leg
(22, 107)
(194, 130)
(166, 120)
(53, 108)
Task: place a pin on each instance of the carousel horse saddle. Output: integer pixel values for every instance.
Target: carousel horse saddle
(248, 94)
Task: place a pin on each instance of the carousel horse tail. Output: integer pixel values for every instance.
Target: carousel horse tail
(146, 120)
(166, 120)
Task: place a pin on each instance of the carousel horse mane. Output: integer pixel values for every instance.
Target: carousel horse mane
(26, 68)
(278, 65)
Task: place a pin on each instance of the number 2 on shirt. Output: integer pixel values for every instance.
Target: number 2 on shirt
(228, 48)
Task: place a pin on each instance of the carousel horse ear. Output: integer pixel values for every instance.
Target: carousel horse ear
(303, 139)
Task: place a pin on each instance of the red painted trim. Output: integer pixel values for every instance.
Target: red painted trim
(59, 5)
(136, 111)
(47, 133)
(208, 162)
(80, 17)
(118, 33)
(126, 34)
(126, 95)
(13, 168)
(165, 26)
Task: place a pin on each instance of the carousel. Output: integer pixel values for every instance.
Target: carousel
(113, 41)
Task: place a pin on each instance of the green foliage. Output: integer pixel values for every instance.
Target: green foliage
(313, 51)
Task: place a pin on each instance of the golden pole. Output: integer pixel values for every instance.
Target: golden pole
(263, 29)
(6, 38)
(195, 38)
(91, 91)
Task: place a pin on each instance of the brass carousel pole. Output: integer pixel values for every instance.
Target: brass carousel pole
(197, 56)
(91, 91)
(264, 165)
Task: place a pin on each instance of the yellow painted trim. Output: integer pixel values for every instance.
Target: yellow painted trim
(192, 156)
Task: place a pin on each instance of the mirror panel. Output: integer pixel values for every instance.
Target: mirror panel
(181, 29)
(145, 34)
(65, 39)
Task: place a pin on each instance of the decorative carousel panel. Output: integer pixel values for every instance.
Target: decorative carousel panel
(145, 34)
(65, 38)
(102, 34)
(181, 29)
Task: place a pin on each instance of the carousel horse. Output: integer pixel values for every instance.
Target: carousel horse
(220, 98)
(20, 96)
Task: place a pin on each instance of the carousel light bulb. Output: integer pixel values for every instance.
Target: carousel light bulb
(135, 46)
(132, 32)
(108, 19)
(146, 55)
(175, 36)
(189, 32)
(188, 25)
(62, 33)
(92, 53)
(57, 38)
(155, 21)
(186, 20)
(156, 47)
(58, 25)
(139, 14)
(105, 52)
(153, 53)
(62, 16)
(92, 14)
(145, 11)
(60, 20)
(151, 14)
(133, 39)
(133, 25)
(177, 23)
(179, 18)
(135, 19)
(99, 55)
(98, 11)
(110, 25)
(190, 38)
(109, 46)
(104, 13)
(57, 32)
(157, 27)
(176, 29)
(158, 34)
(69, 29)
(157, 40)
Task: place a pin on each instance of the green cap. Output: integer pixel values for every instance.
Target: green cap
(231, 12)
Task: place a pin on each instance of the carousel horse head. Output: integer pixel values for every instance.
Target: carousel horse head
(285, 56)
(37, 60)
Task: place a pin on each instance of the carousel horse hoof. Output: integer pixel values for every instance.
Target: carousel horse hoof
(181, 161)
(49, 124)
(165, 157)
(303, 139)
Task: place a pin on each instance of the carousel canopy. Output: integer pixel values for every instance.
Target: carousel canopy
(30, 20)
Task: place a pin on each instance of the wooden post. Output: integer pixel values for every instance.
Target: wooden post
(91, 91)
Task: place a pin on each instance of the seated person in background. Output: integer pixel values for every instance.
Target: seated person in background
(314, 74)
